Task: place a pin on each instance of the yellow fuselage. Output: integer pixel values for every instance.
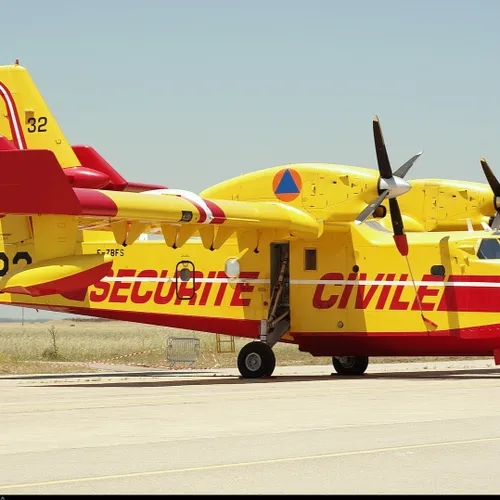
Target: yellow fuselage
(361, 291)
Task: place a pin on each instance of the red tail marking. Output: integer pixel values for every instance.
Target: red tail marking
(83, 177)
(15, 124)
(33, 182)
(90, 158)
(95, 203)
(6, 145)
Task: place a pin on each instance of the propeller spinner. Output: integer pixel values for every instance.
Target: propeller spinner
(495, 187)
(390, 186)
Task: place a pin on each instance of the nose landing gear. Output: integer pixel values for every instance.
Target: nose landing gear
(350, 365)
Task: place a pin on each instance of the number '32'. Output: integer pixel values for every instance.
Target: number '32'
(37, 125)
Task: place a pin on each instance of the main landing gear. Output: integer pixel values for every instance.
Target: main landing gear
(350, 365)
(256, 360)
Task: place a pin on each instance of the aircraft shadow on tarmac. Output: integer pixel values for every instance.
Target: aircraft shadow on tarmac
(170, 379)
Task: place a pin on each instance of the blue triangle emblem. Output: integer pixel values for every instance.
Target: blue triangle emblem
(287, 185)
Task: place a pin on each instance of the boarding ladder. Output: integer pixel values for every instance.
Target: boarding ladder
(224, 344)
(278, 320)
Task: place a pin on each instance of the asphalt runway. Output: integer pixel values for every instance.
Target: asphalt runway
(426, 428)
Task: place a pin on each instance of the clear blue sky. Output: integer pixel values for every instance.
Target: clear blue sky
(188, 93)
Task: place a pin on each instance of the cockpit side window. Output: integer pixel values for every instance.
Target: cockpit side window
(489, 249)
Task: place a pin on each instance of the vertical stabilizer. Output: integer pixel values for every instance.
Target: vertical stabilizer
(25, 119)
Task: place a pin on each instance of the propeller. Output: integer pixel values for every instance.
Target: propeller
(495, 187)
(390, 186)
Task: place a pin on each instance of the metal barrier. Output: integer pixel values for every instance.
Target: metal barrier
(182, 350)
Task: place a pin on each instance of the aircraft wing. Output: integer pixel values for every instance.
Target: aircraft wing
(33, 183)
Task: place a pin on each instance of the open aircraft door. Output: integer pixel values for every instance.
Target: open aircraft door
(278, 317)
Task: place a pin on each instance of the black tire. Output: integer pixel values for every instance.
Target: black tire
(350, 365)
(256, 360)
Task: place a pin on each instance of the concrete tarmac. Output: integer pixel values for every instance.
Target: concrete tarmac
(409, 428)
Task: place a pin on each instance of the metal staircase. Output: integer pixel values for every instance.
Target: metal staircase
(278, 320)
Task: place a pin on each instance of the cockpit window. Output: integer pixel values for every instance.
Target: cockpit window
(489, 249)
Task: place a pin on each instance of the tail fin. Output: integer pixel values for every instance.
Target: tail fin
(27, 123)
(26, 120)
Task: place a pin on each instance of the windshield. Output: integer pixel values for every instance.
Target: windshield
(489, 249)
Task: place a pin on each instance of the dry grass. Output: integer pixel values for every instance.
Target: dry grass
(41, 347)
(10, 366)
(81, 341)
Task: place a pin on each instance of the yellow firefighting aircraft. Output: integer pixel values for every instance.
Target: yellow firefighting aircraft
(301, 253)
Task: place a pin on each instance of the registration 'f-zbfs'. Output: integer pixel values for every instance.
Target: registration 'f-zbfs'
(330, 257)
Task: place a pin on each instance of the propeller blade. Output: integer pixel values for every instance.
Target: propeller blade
(384, 165)
(490, 176)
(397, 226)
(403, 169)
(368, 211)
(495, 225)
(401, 244)
(397, 220)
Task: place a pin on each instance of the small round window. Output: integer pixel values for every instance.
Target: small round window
(185, 274)
(232, 268)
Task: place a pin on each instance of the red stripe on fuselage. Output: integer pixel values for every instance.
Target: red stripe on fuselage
(228, 326)
(474, 341)
(471, 298)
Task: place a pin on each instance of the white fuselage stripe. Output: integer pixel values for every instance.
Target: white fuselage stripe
(477, 284)
(170, 279)
(397, 283)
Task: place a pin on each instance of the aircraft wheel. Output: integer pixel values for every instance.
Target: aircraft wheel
(256, 360)
(350, 365)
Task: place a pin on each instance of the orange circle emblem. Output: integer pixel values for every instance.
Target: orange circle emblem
(287, 184)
